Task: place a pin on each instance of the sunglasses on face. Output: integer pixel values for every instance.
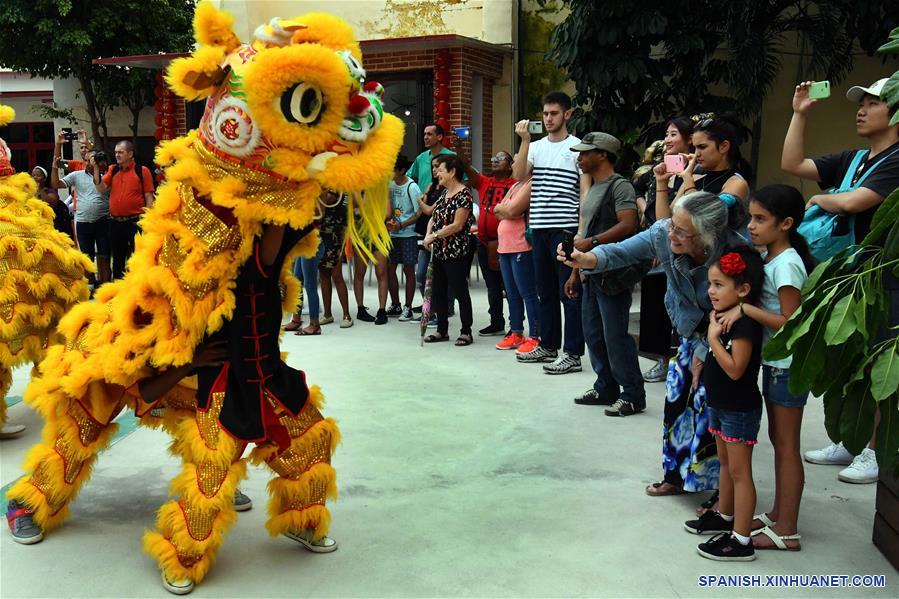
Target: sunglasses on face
(679, 233)
(498, 158)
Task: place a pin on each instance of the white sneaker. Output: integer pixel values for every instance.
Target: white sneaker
(323, 545)
(564, 364)
(11, 430)
(177, 587)
(834, 453)
(862, 470)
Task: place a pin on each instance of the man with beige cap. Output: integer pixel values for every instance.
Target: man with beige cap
(875, 177)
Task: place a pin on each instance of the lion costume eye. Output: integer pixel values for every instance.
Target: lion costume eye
(302, 103)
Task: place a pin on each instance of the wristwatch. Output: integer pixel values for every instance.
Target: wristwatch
(594, 241)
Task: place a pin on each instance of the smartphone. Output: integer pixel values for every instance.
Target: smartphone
(819, 90)
(463, 132)
(567, 244)
(675, 163)
(535, 127)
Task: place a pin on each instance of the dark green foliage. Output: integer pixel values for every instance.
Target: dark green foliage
(60, 38)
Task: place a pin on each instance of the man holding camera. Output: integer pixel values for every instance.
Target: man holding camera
(557, 186)
(91, 205)
(130, 187)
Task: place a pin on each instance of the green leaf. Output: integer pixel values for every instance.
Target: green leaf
(808, 356)
(840, 365)
(861, 313)
(888, 436)
(857, 417)
(833, 410)
(805, 321)
(885, 373)
(841, 323)
(891, 245)
(887, 214)
(895, 119)
(889, 93)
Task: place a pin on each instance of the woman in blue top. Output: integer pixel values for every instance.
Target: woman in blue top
(686, 245)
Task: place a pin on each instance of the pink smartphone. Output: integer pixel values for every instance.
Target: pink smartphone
(675, 163)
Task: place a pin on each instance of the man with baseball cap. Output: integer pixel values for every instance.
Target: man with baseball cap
(608, 214)
(874, 178)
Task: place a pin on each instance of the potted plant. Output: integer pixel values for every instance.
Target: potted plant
(840, 350)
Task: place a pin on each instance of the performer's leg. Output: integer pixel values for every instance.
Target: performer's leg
(305, 476)
(75, 431)
(190, 528)
(5, 383)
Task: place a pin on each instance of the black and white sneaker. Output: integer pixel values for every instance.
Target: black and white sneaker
(242, 503)
(592, 397)
(406, 314)
(564, 364)
(493, 330)
(394, 310)
(726, 548)
(538, 354)
(710, 523)
(625, 408)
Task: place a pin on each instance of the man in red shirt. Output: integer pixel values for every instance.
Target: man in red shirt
(130, 188)
(491, 191)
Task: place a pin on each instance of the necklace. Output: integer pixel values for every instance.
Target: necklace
(706, 180)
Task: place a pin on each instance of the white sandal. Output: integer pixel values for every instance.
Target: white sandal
(777, 539)
(765, 520)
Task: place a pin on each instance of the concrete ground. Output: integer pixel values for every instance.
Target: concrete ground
(461, 473)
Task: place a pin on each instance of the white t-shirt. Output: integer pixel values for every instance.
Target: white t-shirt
(91, 205)
(556, 185)
(785, 270)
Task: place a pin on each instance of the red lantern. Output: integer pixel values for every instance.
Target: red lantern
(442, 59)
(442, 92)
(442, 109)
(444, 124)
(159, 76)
(441, 76)
(167, 135)
(159, 90)
(159, 133)
(158, 119)
(167, 107)
(168, 121)
(157, 106)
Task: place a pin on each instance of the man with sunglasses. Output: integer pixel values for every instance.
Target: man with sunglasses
(491, 191)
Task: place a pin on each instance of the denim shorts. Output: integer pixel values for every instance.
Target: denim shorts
(735, 427)
(775, 388)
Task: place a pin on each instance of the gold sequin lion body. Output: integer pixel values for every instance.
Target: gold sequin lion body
(287, 115)
(41, 272)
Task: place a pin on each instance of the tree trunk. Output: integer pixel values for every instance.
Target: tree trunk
(135, 119)
(756, 149)
(90, 101)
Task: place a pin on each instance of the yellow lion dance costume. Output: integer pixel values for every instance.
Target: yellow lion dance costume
(41, 273)
(287, 115)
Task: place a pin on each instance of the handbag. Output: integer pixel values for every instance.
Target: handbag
(828, 233)
(616, 280)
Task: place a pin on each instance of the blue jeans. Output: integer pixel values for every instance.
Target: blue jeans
(551, 276)
(521, 290)
(735, 427)
(306, 269)
(613, 352)
(775, 388)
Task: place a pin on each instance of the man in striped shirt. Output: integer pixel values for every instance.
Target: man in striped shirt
(557, 186)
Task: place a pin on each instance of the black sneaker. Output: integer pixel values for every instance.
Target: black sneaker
(710, 523)
(363, 315)
(726, 548)
(592, 397)
(493, 330)
(625, 408)
(381, 317)
(394, 310)
(416, 310)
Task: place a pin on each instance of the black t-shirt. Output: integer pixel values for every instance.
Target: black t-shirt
(742, 395)
(421, 225)
(832, 168)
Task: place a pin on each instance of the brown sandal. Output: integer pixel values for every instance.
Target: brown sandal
(464, 340)
(310, 330)
(294, 324)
